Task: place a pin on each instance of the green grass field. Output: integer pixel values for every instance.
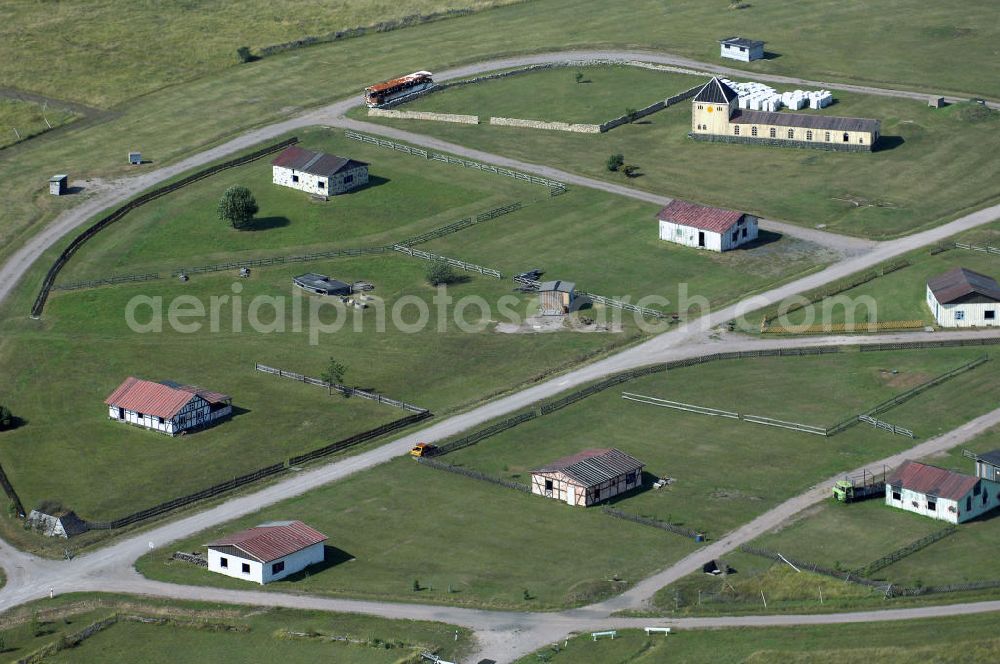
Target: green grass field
(85, 345)
(901, 295)
(466, 542)
(721, 471)
(965, 639)
(604, 93)
(192, 632)
(728, 472)
(28, 119)
(159, 123)
(950, 151)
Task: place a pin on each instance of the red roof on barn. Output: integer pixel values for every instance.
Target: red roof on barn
(272, 541)
(158, 399)
(932, 480)
(717, 220)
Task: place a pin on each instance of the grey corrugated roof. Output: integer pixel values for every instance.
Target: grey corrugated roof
(591, 467)
(321, 281)
(992, 457)
(827, 122)
(716, 92)
(560, 286)
(959, 283)
(314, 163)
(741, 41)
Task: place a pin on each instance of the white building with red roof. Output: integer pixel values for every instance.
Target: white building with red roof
(167, 407)
(704, 227)
(268, 552)
(939, 493)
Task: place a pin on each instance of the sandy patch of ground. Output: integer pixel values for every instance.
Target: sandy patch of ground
(545, 324)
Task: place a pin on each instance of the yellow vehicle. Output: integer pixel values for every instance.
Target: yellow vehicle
(423, 449)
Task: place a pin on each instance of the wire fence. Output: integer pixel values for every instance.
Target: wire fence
(454, 262)
(82, 238)
(474, 474)
(279, 260)
(555, 187)
(342, 389)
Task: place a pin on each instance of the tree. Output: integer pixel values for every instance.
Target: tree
(615, 162)
(334, 373)
(237, 206)
(630, 170)
(579, 77)
(6, 419)
(243, 54)
(439, 272)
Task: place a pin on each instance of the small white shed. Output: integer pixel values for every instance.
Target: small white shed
(268, 552)
(58, 184)
(963, 298)
(703, 227)
(742, 49)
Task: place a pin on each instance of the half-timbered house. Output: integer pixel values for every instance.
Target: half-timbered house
(588, 477)
(167, 407)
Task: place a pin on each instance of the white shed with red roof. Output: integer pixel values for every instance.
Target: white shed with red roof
(940, 493)
(268, 552)
(167, 407)
(704, 227)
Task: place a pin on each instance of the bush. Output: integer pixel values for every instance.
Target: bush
(6, 418)
(243, 54)
(615, 162)
(630, 170)
(439, 272)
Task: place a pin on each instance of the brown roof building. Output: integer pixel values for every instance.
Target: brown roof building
(963, 298)
(267, 552)
(167, 407)
(704, 227)
(940, 493)
(588, 477)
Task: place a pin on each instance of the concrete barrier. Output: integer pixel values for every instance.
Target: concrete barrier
(553, 126)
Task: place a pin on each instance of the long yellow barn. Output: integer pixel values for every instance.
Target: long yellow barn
(717, 117)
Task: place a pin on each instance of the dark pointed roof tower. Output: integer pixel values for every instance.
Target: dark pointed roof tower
(716, 92)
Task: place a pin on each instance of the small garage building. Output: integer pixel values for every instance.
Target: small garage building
(268, 552)
(588, 477)
(703, 227)
(963, 298)
(939, 493)
(742, 49)
(318, 173)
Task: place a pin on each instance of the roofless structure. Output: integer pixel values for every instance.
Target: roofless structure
(717, 117)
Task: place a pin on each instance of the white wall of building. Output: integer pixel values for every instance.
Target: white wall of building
(963, 315)
(952, 511)
(262, 572)
(689, 235)
(195, 413)
(320, 184)
(741, 53)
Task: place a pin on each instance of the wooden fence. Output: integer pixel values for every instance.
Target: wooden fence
(342, 389)
(984, 249)
(481, 434)
(15, 500)
(279, 260)
(82, 238)
(462, 223)
(885, 426)
(109, 281)
(553, 185)
(654, 523)
(474, 474)
(454, 262)
(715, 412)
(905, 551)
(838, 328)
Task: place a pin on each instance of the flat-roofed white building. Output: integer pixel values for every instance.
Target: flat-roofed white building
(742, 49)
(963, 298)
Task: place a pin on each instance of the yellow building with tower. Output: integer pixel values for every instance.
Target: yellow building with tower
(717, 117)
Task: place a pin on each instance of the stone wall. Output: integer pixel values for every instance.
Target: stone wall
(423, 115)
(782, 143)
(555, 126)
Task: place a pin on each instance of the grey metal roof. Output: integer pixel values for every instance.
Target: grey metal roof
(827, 122)
(592, 467)
(561, 286)
(992, 457)
(716, 92)
(741, 41)
(321, 282)
(58, 178)
(959, 283)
